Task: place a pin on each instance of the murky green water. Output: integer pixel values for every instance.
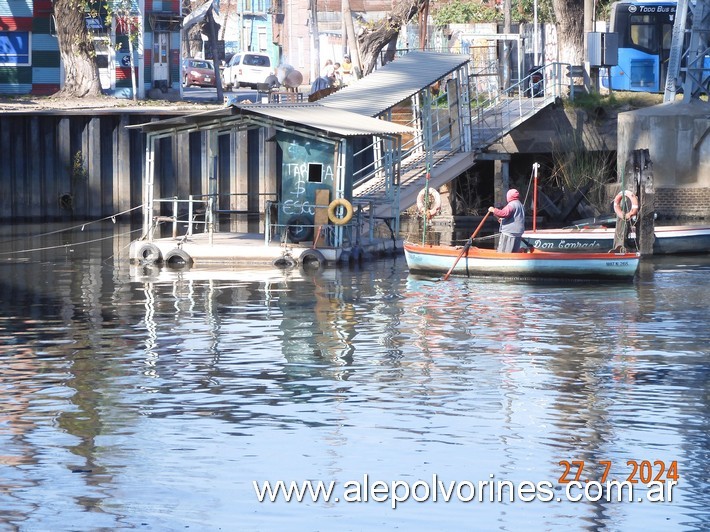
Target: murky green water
(154, 400)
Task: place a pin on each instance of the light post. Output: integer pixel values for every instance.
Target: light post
(535, 35)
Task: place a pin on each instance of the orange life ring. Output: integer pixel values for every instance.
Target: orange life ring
(332, 213)
(634, 205)
(434, 203)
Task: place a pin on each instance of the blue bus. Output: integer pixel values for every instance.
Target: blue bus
(645, 33)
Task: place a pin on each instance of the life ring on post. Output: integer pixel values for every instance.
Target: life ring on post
(434, 206)
(634, 205)
(149, 253)
(299, 228)
(333, 210)
(177, 259)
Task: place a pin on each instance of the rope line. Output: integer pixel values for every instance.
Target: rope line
(48, 248)
(81, 226)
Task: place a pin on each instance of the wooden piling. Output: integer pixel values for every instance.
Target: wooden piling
(645, 225)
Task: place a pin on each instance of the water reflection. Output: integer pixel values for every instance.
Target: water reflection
(147, 398)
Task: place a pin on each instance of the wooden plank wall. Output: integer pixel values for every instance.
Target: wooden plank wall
(76, 167)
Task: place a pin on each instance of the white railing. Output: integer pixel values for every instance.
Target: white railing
(495, 112)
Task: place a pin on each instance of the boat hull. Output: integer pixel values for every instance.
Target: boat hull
(668, 240)
(679, 239)
(436, 260)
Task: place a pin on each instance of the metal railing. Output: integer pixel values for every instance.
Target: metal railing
(495, 112)
(187, 212)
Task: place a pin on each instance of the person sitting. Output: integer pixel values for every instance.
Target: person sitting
(512, 222)
(329, 70)
(346, 70)
(336, 79)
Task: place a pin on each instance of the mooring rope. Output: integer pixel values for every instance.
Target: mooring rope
(81, 226)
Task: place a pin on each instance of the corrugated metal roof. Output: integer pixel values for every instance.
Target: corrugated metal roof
(349, 112)
(308, 115)
(338, 121)
(394, 83)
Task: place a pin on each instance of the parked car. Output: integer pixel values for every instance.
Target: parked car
(246, 68)
(198, 72)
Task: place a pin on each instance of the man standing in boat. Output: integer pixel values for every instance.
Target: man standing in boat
(512, 222)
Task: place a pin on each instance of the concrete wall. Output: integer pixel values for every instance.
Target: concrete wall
(676, 135)
(557, 129)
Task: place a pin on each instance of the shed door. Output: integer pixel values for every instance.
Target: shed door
(160, 57)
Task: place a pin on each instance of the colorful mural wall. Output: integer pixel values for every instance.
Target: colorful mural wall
(30, 62)
(29, 54)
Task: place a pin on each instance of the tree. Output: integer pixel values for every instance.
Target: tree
(376, 35)
(81, 75)
(570, 30)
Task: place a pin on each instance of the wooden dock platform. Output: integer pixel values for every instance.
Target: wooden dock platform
(249, 249)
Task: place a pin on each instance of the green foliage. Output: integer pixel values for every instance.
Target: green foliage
(472, 11)
(462, 12)
(524, 10)
(78, 169)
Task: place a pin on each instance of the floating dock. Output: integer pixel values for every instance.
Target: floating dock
(250, 249)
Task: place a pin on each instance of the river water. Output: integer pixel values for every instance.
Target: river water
(140, 399)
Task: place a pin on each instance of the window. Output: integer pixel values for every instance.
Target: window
(315, 173)
(643, 33)
(256, 60)
(102, 52)
(14, 47)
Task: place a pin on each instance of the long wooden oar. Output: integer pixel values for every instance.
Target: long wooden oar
(468, 245)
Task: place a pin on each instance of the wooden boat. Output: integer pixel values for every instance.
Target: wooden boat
(436, 260)
(669, 239)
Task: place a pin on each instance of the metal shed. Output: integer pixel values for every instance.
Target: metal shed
(314, 147)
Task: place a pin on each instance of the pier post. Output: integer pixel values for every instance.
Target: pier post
(645, 226)
(501, 180)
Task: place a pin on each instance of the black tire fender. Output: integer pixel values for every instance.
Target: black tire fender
(149, 253)
(312, 259)
(284, 262)
(177, 259)
(299, 228)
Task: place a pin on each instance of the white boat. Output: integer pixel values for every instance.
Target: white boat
(672, 239)
(533, 264)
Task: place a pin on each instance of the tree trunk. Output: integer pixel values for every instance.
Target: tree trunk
(380, 32)
(570, 30)
(353, 45)
(81, 75)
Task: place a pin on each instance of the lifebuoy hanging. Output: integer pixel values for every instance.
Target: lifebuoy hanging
(434, 206)
(333, 211)
(634, 205)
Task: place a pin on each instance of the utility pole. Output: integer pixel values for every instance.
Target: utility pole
(591, 72)
(212, 24)
(315, 35)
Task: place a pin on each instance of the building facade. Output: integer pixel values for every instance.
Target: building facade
(29, 53)
(30, 61)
